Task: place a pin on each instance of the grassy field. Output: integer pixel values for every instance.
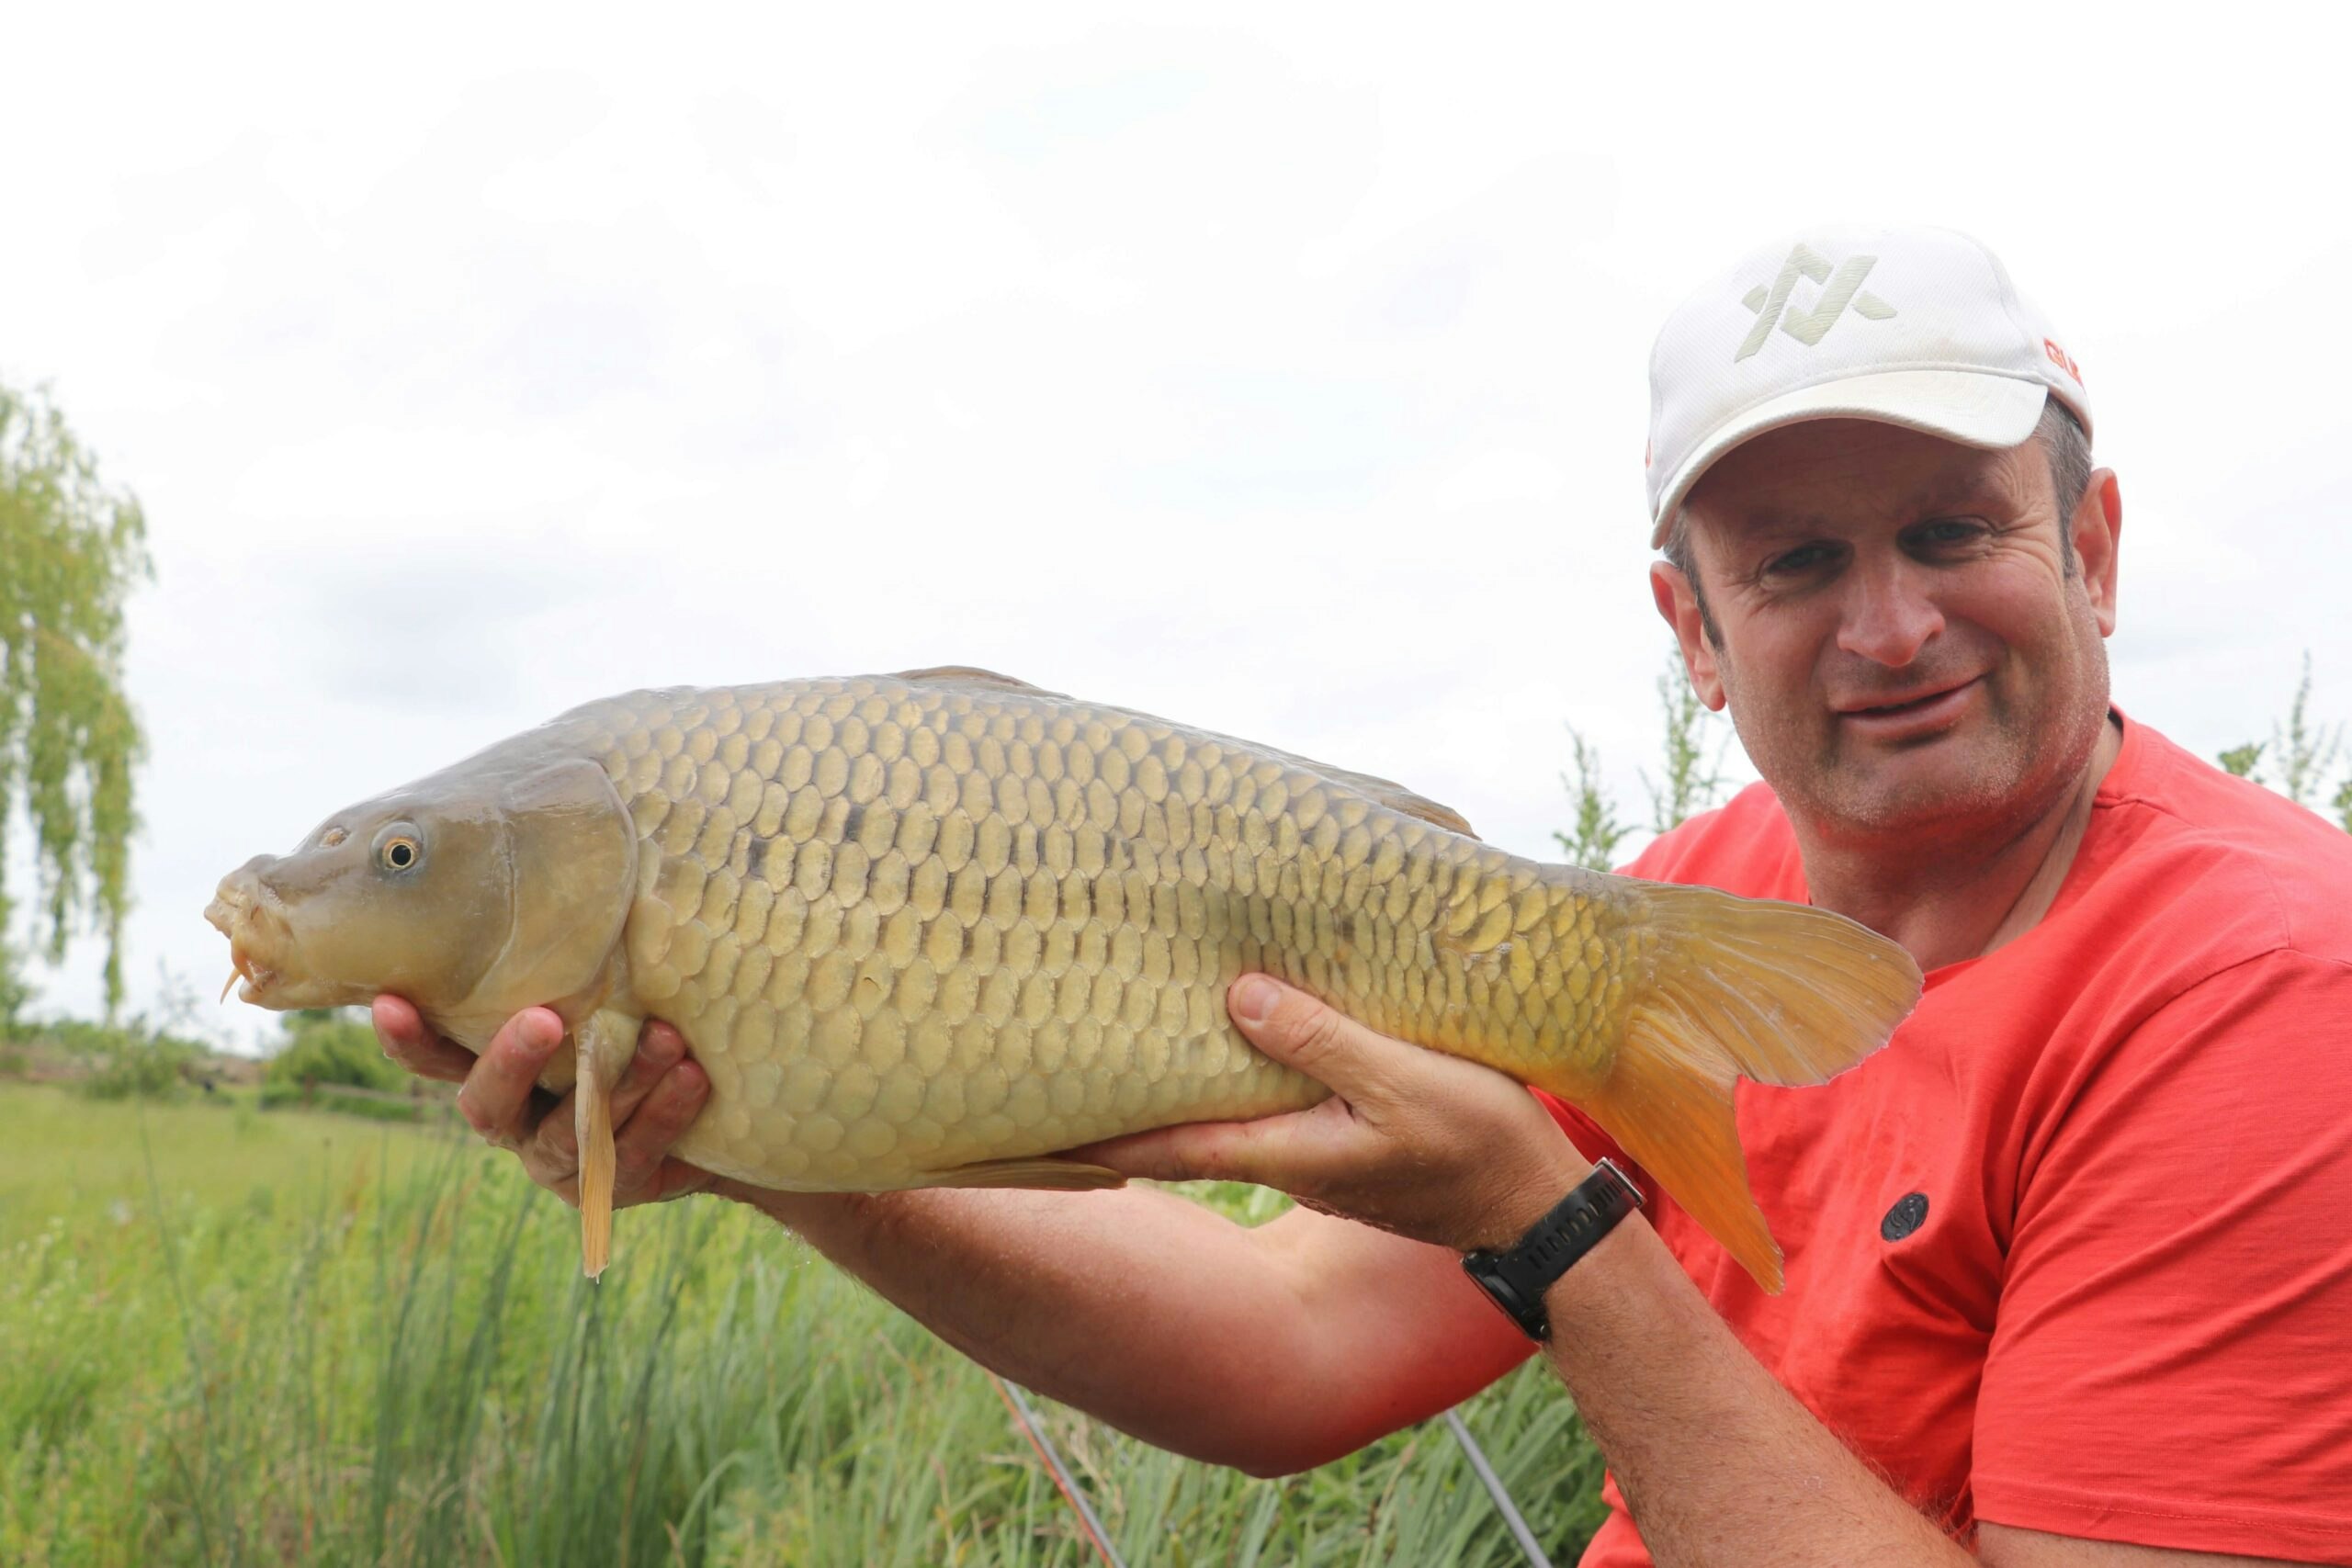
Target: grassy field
(235, 1337)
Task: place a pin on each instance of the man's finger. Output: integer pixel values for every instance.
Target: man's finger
(676, 1178)
(496, 1099)
(659, 1048)
(551, 1154)
(1320, 1040)
(644, 1142)
(644, 1169)
(402, 1031)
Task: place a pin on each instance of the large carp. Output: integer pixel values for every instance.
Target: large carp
(928, 929)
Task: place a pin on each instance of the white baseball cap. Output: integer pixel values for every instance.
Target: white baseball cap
(1917, 327)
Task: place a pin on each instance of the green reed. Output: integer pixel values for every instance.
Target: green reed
(227, 1338)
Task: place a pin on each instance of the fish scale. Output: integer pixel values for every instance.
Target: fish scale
(909, 928)
(934, 929)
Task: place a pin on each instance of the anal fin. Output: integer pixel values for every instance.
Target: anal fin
(1042, 1172)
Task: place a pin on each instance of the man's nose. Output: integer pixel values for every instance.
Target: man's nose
(1889, 612)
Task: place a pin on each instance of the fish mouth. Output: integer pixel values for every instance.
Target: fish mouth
(246, 912)
(257, 977)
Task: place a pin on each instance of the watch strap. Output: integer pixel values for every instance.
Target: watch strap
(1516, 1280)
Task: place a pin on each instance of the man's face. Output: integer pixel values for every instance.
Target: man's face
(1904, 648)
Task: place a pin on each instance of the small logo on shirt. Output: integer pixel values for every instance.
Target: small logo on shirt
(1910, 1211)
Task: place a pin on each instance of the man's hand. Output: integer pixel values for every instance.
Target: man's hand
(657, 1098)
(1413, 1141)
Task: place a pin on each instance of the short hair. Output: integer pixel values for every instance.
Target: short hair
(2065, 445)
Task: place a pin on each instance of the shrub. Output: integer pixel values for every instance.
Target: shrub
(137, 1065)
(326, 1048)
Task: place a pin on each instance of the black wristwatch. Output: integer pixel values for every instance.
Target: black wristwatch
(1516, 1280)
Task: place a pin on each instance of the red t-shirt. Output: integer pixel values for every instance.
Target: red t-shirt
(2126, 1311)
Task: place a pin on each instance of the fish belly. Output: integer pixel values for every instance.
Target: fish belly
(909, 925)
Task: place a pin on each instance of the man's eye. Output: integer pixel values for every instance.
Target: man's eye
(1804, 557)
(1947, 531)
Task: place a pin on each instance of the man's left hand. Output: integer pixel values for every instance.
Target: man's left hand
(1413, 1141)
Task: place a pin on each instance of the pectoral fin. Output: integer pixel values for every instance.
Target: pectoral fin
(606, 1042)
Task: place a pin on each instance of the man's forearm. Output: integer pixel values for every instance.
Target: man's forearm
(1722, 1467)
(1138, 1306)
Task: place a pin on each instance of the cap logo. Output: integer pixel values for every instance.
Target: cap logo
(1839, 290)
(2062, 359)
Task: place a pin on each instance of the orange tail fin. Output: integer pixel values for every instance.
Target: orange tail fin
(1781, 993)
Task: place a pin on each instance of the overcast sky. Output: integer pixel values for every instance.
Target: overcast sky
(1279, 371)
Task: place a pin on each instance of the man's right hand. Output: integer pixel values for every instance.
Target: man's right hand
(657, 1098)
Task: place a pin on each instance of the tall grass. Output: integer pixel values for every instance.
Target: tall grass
(242, 1338)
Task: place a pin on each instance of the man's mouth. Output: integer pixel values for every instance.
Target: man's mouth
(1915, 712)
(1917, 697)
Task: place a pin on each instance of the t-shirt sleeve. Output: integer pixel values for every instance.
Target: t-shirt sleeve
(2172, 1363)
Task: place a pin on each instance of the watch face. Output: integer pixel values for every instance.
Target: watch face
(1487, 1271)
(1498, 1285)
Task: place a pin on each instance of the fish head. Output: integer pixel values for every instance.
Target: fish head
(476, 892)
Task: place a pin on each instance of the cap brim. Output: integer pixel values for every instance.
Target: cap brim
(1968, 406)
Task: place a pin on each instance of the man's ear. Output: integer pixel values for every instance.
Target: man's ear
(2098, 526)
(1677, 602)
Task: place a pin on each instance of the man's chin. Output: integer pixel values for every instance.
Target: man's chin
(1970, 766)
(1931, 785)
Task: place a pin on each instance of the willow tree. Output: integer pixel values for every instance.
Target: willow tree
(71, 550)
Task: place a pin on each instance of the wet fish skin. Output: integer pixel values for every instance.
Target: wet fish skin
(928, 929)
(913, 928)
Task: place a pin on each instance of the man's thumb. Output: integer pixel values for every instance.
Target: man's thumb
(1300, 1032)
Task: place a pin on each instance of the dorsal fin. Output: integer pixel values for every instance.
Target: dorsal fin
(967, 675)
(1387, 792)
(1397, 797)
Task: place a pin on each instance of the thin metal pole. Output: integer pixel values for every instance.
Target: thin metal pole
(1509, 1509)
(1031, 1428)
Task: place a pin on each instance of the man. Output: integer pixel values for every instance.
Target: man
(2070, 1271)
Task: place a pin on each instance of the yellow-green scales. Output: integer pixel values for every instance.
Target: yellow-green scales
(911, 926)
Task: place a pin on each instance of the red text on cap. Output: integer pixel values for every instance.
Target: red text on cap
(2062, 359)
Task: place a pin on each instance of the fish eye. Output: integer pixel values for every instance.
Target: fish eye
(399, 849)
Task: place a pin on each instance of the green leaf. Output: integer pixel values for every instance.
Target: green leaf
(1598, 832)
(1695, 779)
(2306, 752)
(2240, 761)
